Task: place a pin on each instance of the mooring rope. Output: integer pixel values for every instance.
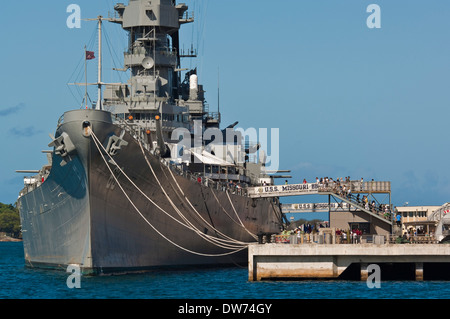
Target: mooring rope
(190, 204)
(240, 222)
(97, 143)
(205, 236)
(234, 209)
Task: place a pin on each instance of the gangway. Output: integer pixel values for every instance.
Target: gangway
(360, 207)
(439, 213)
(441, 218)
(314, 207)
(337, 190)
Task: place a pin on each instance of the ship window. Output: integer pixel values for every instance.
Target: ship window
(150, 15)
(168, 117)
(146, 116)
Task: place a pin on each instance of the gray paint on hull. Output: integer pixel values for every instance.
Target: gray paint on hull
(90, 222)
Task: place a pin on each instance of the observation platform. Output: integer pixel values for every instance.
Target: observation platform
(342, 191)
(317, 188)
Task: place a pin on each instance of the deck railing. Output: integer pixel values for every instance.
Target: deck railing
(329, 238)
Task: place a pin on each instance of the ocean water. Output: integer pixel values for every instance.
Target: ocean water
(20, 282)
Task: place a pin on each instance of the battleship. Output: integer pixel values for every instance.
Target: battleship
(145, 177)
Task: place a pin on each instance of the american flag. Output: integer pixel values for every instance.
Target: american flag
(90, 55)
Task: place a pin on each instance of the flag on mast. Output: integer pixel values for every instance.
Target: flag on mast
(90, 55)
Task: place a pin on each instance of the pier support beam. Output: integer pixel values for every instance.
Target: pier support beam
(419, 271)
(364, 272)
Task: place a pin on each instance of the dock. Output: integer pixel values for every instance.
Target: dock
(381, 223)
(278, 261)
(332, 253)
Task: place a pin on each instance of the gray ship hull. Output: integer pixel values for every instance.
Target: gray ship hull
(148, 216)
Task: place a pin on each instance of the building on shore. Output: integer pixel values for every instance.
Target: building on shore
(415, 213)
(415, 219)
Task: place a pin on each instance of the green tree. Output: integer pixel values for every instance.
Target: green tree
(9, 220)
(5, 207)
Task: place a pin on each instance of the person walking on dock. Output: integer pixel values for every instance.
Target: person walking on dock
(399, 219)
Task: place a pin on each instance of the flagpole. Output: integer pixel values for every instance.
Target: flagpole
(85, 76)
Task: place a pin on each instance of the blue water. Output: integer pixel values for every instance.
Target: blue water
(19, 282)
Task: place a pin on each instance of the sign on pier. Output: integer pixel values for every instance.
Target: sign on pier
(283, 190)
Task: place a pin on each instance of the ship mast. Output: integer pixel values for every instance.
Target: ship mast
(85, 77)
(99, 81)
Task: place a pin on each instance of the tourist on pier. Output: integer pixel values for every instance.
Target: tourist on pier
(405, 236)
(338, 236)
(299, 235)
(344, 237)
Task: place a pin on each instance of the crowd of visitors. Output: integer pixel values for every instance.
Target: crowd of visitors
(344, 187)
(308, 230)
(348, 236)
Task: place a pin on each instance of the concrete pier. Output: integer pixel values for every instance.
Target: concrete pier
(327, 261)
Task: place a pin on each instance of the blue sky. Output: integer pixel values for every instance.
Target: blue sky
(348, 100)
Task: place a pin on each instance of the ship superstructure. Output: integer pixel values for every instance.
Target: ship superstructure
(156, 89)
(146, 178)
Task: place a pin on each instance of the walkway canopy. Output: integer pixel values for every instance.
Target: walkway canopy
(209, 159)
